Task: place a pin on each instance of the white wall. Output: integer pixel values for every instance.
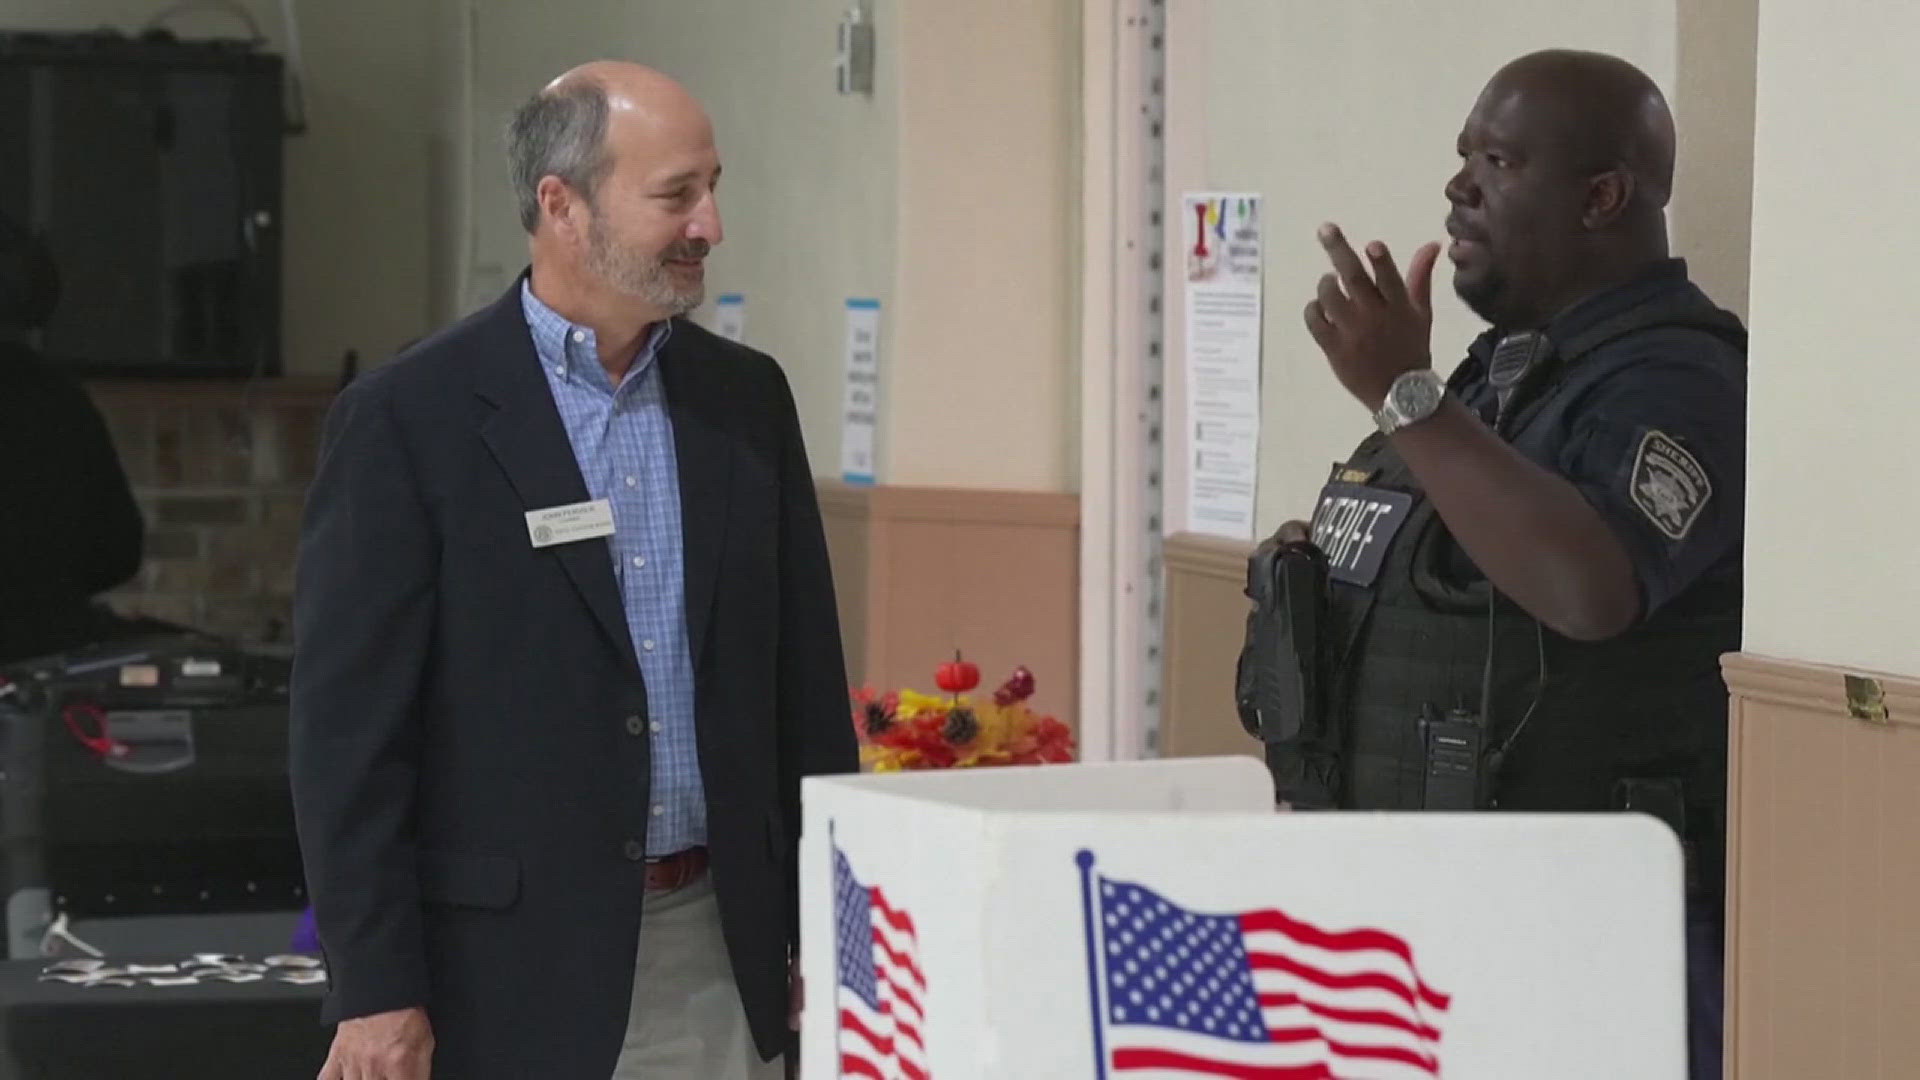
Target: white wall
(357, 183)
(1348, 112)
(1832, 574)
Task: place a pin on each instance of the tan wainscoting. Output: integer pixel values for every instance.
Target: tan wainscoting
(1206, 619)
(1824, 871)
(923, 571)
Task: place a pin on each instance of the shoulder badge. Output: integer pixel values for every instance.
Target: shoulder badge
(1668, 485)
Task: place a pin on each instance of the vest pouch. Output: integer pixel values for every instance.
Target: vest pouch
(1278, 680)
(1277, 683)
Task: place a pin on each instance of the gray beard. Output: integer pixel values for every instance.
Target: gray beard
(641, 277)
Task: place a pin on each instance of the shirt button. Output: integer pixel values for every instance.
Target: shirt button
(636, 851)
(579, 336)
(659, 810)
(639, 560)
(633, 481)
(635, 724)
(655, 726)
(647, 644)
(559, 369)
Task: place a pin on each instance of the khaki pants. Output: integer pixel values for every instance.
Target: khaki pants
(686, 1022)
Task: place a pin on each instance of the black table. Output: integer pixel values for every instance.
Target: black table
(267, 1030)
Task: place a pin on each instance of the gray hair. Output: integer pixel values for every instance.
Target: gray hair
(560, 131)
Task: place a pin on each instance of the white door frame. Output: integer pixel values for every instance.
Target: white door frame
(1120, 399)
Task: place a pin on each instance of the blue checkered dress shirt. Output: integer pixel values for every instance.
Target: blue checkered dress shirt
(622, 438)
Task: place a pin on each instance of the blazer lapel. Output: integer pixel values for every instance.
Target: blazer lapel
(527, 438)
(696, 400)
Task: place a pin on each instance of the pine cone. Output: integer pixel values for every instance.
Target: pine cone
(878, 719)
(962, 726)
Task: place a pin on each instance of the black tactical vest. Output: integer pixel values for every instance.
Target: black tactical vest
(1405, 634)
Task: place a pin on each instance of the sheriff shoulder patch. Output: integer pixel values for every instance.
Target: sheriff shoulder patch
(1668, 485)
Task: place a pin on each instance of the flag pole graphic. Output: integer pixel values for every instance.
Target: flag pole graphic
(1085, 861)
(833, 850)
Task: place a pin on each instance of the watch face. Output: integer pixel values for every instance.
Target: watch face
(1417, 396)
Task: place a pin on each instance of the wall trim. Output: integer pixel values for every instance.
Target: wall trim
(1820, 872)
(1206, 618)
(1208, 556)
(838, 495)
(951, 505)
(1816, 688)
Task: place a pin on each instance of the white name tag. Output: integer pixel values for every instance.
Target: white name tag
(566, 524)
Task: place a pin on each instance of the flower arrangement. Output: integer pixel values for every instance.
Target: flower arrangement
(905, 729)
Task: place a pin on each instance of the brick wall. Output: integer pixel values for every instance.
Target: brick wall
(220, 471)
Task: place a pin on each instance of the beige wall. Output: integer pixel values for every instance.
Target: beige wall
(947, 195)
(981, 385)
(1348, 112)
(357, 183)
(922, 572)
(1831, 571)
(1712, 222)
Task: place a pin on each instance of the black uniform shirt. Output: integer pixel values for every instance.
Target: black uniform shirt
(1656, 441)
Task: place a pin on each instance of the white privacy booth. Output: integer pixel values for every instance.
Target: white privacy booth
(1157, 919)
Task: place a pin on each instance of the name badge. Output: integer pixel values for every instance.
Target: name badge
(570, 523)
(1354, 525)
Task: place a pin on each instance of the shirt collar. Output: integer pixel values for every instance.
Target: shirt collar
(1594, 310)
(570, 351)
(1651, 282)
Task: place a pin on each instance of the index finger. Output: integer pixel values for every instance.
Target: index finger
(1353, 274)
(1386, 273)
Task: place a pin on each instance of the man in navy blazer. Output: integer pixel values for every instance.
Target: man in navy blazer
(566, 645)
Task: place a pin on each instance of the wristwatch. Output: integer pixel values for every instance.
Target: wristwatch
(1413, 397)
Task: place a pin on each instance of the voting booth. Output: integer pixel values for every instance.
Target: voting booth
(1158, 919)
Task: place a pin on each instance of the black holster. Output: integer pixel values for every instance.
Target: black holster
(1279, 686)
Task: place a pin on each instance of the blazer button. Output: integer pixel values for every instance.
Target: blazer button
(635, 725)
(636, 851)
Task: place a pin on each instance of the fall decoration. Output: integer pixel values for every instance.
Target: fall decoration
(957, 677)
(905, 730)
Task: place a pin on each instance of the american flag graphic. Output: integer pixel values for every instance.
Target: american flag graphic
(1256, 995)
(881, 990)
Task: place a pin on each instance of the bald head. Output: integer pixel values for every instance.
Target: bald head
(1601, 111)
(1566, 170)
(629, 89)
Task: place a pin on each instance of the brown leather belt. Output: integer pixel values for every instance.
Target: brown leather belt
(676, 871)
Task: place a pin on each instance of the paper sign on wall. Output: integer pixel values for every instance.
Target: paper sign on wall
(861, 406)
(1221, 245)
(730, 316)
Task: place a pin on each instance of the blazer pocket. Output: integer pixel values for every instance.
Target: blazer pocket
(469, 879)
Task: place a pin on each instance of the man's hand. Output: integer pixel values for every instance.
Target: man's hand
(385, 1046)
(1375, 328)
(1289, 533)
